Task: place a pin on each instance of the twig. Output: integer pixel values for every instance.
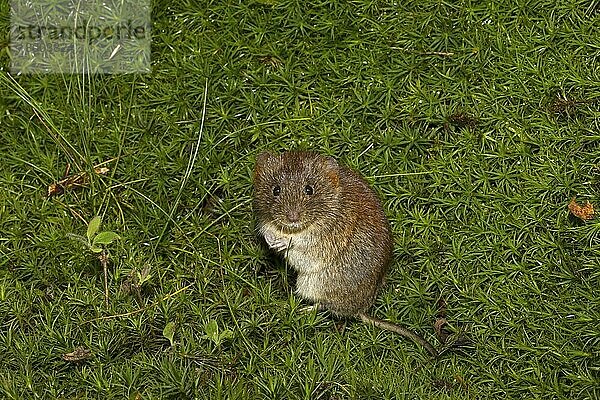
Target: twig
(104, 261)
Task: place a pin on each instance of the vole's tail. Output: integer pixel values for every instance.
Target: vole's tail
(389, 326)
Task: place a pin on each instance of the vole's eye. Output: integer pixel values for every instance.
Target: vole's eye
(308, 190)
(276, 190)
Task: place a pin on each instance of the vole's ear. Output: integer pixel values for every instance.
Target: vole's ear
(261, 161)
(263, 157)
(332, 170)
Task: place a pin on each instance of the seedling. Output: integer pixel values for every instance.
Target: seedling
(212, 333)
(96, 241)
(135, 280)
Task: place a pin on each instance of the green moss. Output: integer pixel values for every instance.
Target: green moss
(476, 123)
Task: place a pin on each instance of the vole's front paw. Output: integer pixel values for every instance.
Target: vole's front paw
(277, 243)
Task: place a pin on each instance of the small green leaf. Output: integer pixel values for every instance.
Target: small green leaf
(95, 249)
(212, 330)
(212, 333)
(169, 332)
(93, 227)
(226, 334)
(105, 237)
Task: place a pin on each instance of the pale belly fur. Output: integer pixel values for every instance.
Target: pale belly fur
(299, 253)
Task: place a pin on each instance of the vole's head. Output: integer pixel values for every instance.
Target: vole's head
(294, 190)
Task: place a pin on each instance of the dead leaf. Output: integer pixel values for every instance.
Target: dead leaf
(585, 212)
(271, 61)
(442, 308)
(79, 354)
(461, 120)
(73, 181)
(443, 384)
(441, 333)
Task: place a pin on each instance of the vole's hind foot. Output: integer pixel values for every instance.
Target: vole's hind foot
(312, 308)
(340, 324)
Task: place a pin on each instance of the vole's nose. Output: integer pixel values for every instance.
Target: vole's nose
(293, 216)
